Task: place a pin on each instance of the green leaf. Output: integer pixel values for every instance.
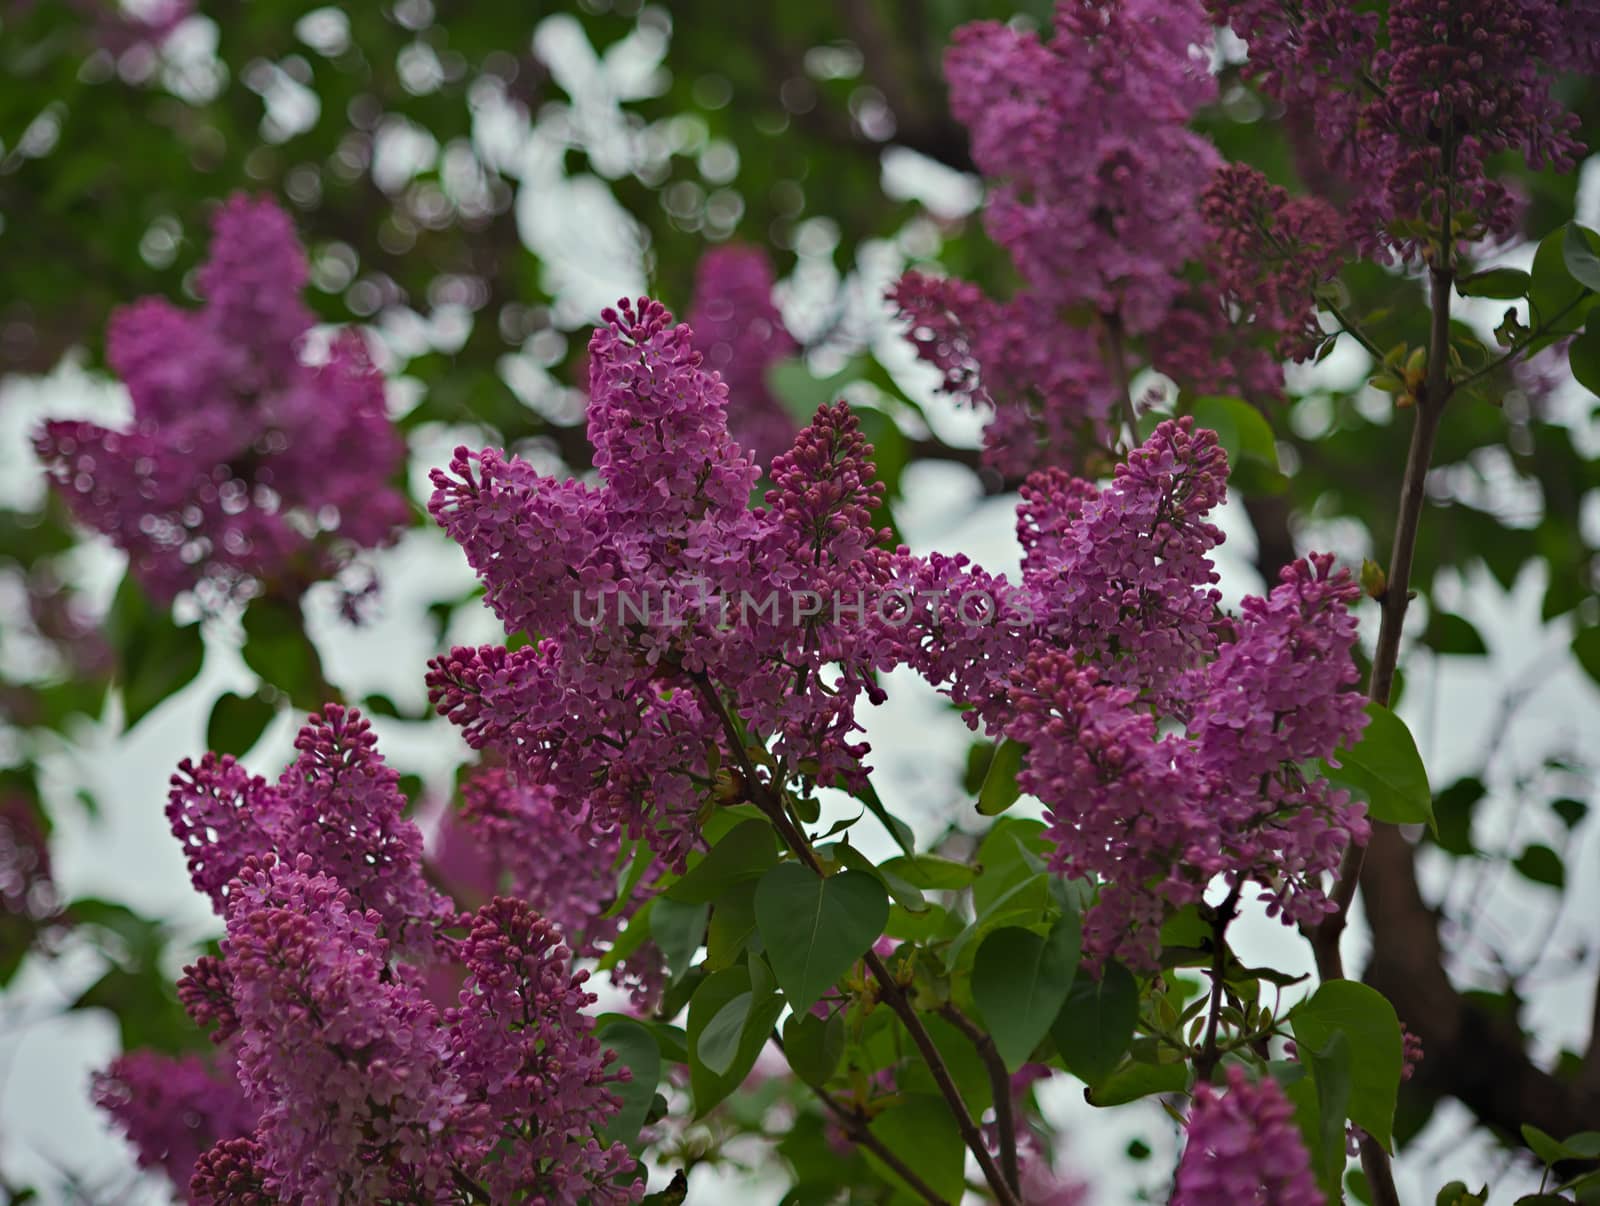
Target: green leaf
(908, 896)
(1246, 436)
(1504, 283)
(237, 722)
(1000, 791)
(1546, 1146)
(1368, 1023)
(1578, 254)
(801, 392)
(931, 872)
(814, 928)
(1556, 295)
(718, 1044)
(638, 1051)
(744, 853)
(1020, 982)
(1386, 770)
(678, 929)
(707, 1087)
(921, 1131)
(1447, 633)
(733, 924)
(1586, 648)
(1002, 855)
(1322, 1103)
(1583, 356)
(277, 648)
(159, 658)
(1453, 808)
(813, 1045)
(1095, 1025)
(1136, 1081)
(1542, 865)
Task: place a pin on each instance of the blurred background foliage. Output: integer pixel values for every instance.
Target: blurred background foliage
(470, 179)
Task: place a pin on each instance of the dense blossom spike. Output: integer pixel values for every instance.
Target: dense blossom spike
(1093, 212)
(205, 990)
(245, 464)
(562, 864)
(339, 803)
(523, 1048)
(1269, 252)
(739, 332)
(172, 1108)
(1156, 817)
(1242, 1148)
(1411, 109)
(346, 1061)
(662, 588)
(1124, 572)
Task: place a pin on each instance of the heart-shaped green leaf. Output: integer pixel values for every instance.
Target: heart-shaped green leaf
(1020, 981)
(813, 929)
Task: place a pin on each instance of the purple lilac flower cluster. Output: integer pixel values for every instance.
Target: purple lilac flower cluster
(246, 465)
(1409, 110)
(741, 335)
(1243, 1148)
(337, 1078)
(617, 714)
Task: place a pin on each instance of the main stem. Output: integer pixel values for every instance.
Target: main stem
(889, 990)
(1395, 601)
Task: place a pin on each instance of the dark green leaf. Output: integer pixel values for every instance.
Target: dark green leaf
(1448, 633)
(733, 924)
(1504, 283)
(1020, 982)
(277, 648)
(1096, 1023)
(1368, 1023)
(1000, 790)
(706, 1087)
(718, 1043)
(814, 928)
(1385, 769)
(237, 722)
(898, 829)
(1583, 356)
(638, 1051)
(1578, 254)
(678, 929)
(1322, 1103)
(1136, 1081)
(813, 1045)
(921, 1131)
(745, 853)
(1586, 648)
(932, 872)
(1542, 865)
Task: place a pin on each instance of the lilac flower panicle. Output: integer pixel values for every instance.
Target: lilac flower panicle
(608, 709)
(523, 1047)
(244, 463)
(1386, 98)
(339, 803)
(345, 1060)
(1242, 1148)
(740, 333)
(1124, 572)
(172, 1108)
(561, 864)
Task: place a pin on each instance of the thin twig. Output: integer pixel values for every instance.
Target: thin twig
(1000, 1083)
(1206, 1062)
(889, 990)
(855, 1126)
